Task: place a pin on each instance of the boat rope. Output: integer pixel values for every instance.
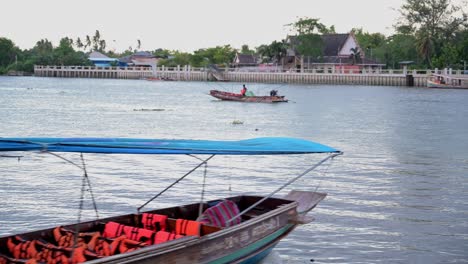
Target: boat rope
(85, 182)
(284, 185)
(324, 173)
(90, 190)
(85, 176)
(174, 183)
(202, 196)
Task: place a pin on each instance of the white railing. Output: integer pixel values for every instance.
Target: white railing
(275, 69)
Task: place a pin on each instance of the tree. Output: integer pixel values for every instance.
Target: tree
(355, 55)
(79, 44)
(370, 42)
(306, 26)
(102, 45)
(88, 42)
(96, 40)
(278, 50)
(8, 52)
(433, 22)
(138, 44)
(245, 50)
(310, 45)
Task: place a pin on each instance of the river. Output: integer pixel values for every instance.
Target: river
(398, 194)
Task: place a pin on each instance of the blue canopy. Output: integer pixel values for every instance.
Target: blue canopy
(255, 146)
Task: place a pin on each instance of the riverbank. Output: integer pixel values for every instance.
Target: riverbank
(186, 73)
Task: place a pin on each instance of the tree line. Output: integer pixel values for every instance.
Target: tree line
(429, 33)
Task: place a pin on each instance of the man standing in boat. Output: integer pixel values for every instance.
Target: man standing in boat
(244, 90)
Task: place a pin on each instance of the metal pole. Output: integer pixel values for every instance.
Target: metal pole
(174, 183)
(282, 187)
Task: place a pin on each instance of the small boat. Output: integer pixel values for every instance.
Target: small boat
(447, 81)
(227, 96)
(153, 79)
(238, 229)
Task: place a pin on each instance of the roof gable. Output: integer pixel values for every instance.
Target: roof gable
(245, 59)
(333, 43)
(97, 55)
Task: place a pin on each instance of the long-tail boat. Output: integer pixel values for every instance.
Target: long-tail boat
(227, 96)
(239, 229)
(443, 81)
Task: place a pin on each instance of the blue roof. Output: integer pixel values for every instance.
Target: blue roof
(255, 146)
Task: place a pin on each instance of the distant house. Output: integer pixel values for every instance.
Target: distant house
(244, 60)
(101, 60)
(140, 58)
(341, 52)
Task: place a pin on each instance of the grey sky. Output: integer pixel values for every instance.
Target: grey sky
(184, 25)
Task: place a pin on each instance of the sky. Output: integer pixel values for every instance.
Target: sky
(185, 25)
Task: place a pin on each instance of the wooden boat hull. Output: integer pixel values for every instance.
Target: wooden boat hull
(433, 84)
(248, 242)
(251, 99)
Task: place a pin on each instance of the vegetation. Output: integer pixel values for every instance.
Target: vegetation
(429, 33)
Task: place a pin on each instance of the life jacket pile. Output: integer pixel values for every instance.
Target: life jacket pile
(115, 239)
(37, 251)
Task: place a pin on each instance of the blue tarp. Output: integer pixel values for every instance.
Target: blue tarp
(255, 146)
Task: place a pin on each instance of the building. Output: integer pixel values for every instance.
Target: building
(101, 60)
(340, 53)
(140, 58)
(244, 60)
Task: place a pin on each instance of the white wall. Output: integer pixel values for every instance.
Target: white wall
(346, 50)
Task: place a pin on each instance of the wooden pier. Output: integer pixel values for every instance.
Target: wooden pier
(187, 73)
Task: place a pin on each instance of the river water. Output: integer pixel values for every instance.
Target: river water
(398, 194)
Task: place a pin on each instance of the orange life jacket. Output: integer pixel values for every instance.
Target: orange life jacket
(164, 236)
(99, 245)
(155, 222)
(24, 249)
(113, 229)
(187, 227)
(127, 245)
(52, 256)
(65, 238)
(139, 234)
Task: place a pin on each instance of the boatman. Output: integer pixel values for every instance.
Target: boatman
(244, 90)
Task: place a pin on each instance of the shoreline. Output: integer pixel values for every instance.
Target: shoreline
(327, 76)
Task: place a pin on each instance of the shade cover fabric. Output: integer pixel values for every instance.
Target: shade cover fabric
(254, 146)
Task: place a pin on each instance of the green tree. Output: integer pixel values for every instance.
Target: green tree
(355, 55)
(369, 42)
(88, 42)
(310, 45)
(96, 40)
(64, 54)
(79, 44)
(245, 50)
(8, 53)
(306, 26)
(433, 22)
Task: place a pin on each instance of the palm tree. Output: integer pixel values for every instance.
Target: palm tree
(355, 55)
(88, 42)
(102, 45)
(425, 45)
(138, 44)
(79, 44)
